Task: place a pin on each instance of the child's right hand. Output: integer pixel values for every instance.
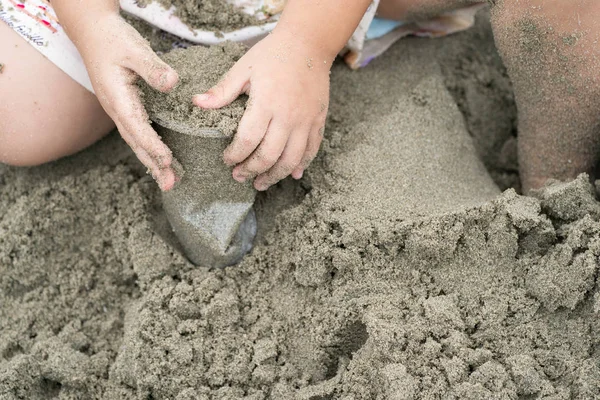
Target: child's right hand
(115, 54)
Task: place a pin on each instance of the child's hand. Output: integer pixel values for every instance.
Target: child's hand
(115, 55)
(282, 128)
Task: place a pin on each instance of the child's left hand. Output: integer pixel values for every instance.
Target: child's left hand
(282, 128)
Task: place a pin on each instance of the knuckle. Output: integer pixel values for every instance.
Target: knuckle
(164, 158)
(282, 169)
(285, 169)
(159, 76)
(305, 163)
(245, 142)
(269, 181)
(249, 169)
(220, 87)
(266, 160)
(293, 160)
(127, 123)
(219, 90)
(126, 137)
(136, 54)
(230, 158)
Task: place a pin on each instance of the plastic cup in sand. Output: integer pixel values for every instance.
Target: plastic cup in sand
(210, 213)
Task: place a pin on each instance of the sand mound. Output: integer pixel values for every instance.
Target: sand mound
(212, 15)
(394, 270)
(197, 74)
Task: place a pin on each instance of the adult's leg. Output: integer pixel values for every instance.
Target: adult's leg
(44, 113)
(551, 50)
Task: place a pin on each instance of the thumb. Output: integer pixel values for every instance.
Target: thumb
(234, 83)
(154, 71)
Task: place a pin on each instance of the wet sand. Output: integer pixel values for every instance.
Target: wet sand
(395, 269)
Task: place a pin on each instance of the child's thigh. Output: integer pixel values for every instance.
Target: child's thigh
(562, 34)
(566, 14)
(45, 114)
(408, 10)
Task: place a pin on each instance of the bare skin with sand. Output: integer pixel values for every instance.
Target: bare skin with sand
(549, 49)
(273, 140)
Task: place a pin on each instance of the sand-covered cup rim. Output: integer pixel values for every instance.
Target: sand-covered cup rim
(185, 129)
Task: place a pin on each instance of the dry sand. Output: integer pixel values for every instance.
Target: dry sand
(199, 69)
(211, 15)
(394, 270)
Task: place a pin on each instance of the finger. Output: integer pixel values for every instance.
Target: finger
(132, 116)
(312, 148)
(132, 121)
(234, 83)
(251, 131)
(165, 180)
(265, 155)
(289, 160)
(144, 62)
(165, 176)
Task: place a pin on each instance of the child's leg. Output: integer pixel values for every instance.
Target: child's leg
(551, 51)
(44, 113)
(414, 10)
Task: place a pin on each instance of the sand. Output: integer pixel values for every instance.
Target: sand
(210, 15)
(395, 269)
(195, 78)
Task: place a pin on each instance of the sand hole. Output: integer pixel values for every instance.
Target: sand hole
(350, 340)
(50, 388)
(322, 397)
(12, 350)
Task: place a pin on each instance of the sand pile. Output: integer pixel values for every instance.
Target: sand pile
(211, 15)
(394, 270)
(197, 74)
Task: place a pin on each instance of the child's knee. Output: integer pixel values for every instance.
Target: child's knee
(31, 139)
(44, 113)
(20, 144)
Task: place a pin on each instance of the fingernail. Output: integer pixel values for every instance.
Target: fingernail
(227, 161)
(166, 184)
(261, 186)
(162, 80)
(202, 97)
(241, 178)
